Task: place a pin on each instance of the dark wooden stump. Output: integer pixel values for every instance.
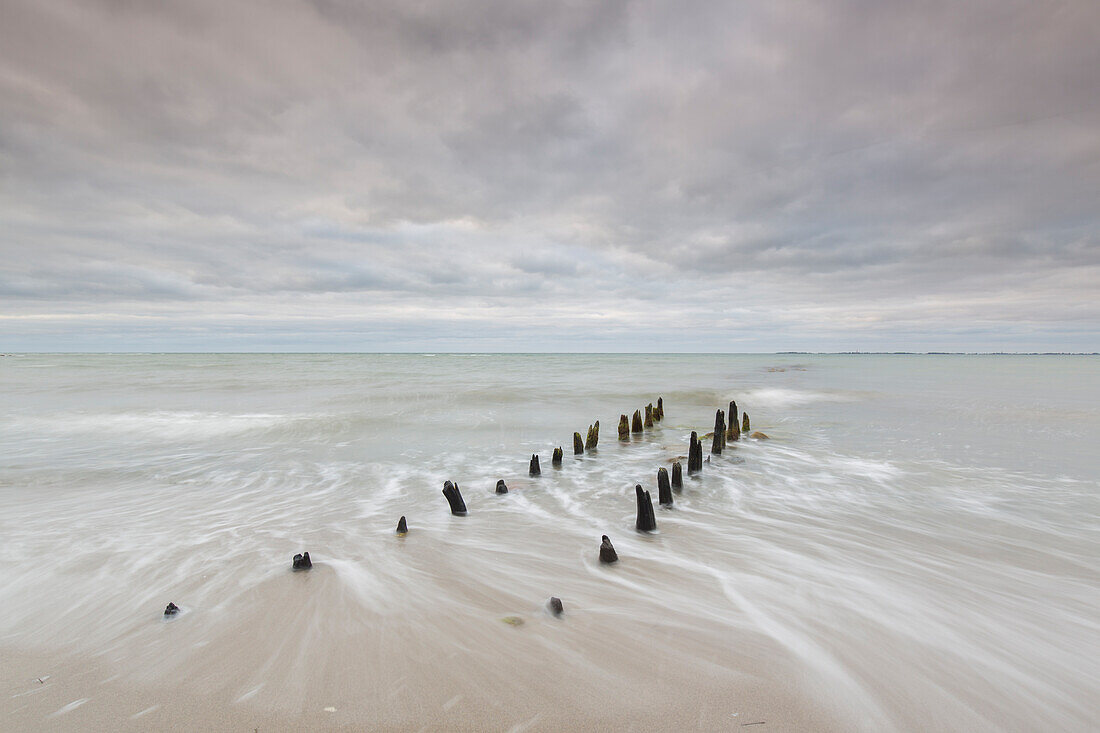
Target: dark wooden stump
(659, 413)
(647, 522)
(534, 470)
(502, 488)
(649, 415)
(554, 604)
(607, 551)
(745, 422)
(454, 498)
(578, 444)
(171, 609)
(677, 476)
(593, 438)
(733, 432)
(695, 454)
(301, 562)
(555, 460)
(664, 489)
(402, 528)
(636, 424)
(624, 428)
(719, 441)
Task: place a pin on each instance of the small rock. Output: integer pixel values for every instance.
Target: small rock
(607, 551)
(302, 562)
(554, 604)
(759, 436)
(502, 488)
(172, 609)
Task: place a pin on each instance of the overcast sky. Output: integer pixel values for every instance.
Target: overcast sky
(539, 176)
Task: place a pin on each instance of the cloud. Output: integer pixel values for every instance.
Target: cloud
(696, 175)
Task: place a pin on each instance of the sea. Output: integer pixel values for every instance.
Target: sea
(917, 538)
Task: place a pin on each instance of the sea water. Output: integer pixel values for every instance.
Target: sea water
(918, 535)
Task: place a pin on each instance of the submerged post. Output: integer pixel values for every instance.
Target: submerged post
(593, 437)
(649, 415)
(454, 498)
(172, 609)
(677, 477)
(534, 470)
(695, 454)
(733, 432)
(556, 459)
(745, 422)
(647, 522)
(502, 488)
(578, 444)
(624, 428)
(636, 425)
(719, 441)
(664, 490)
(607, 551)
(659, 413)
(554, 605)
(402, 528)
(301, 562)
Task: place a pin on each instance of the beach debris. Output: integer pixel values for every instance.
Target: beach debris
(593, 437)
(624, 428)
(535, 470)
(502, 488)
(733, 432)
(649, 415)
(744, 422)
(636, 423)
(659, 413)
(454, 498)
(759, 436)
(556, 460)
(42, 680)
(301, 562)
(607, 551)
(554, 604)
(330, 709)
(578, 444)
(719, 441)
(402, 528)
(647, 522)
(664, 489)
(513, 620)
(695, 454)
(170, 610)
(677, 477)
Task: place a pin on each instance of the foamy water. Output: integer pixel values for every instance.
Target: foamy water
(918, 537)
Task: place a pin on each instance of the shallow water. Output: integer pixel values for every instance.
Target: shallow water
(918, 539)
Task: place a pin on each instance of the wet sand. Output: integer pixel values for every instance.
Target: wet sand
(301, 652)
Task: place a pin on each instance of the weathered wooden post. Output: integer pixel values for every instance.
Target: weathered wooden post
(171, 609)
(301, 562)
(649, 415)
(733, 432)
(454, 498)
(578, 444)
(554, 604)
(402, 528)
(636, 425)
(646, 521)
(593, 437)
(677, 476)
(745, 422)
(624, 428)
(534, 470)
(502, 488)
(556, 459)
(695, 454)
(719, 441)
(664, 490)
(607, 551)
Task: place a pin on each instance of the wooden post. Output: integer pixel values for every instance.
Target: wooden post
(745, 422)
(659, 413)
(454, 498)
(578, 444)
(733, 432)
(695, 454)
(607, 551)
(402, 528)
(556, 459)
(624, 428)
(664, 490)
(636, 425)
(502, 488)
(535, 470)
(646, 521)
(719, 441)
(301, 562)
(649, 415)
(677, 477)
(593, 436)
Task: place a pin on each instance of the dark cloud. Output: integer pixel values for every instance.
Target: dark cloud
(841, 174)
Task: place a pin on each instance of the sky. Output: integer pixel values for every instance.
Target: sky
(505, 175)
